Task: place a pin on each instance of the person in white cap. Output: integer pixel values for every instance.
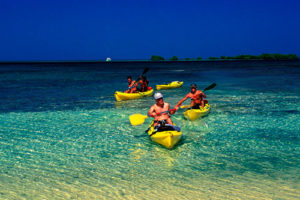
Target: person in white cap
(160, 111)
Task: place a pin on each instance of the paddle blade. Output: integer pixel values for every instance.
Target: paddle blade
(210, 87)
(145, 70)
(137, 119)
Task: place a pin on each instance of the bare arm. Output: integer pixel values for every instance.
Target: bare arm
(201, 94)
(151, 112)
(169, 110)
(133, 85)
(182, 100)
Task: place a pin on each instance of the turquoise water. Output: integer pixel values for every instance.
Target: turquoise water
(63, 135)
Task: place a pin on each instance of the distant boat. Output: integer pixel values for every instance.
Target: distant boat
(108, 59)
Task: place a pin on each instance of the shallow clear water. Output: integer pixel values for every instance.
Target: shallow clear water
(63, 135)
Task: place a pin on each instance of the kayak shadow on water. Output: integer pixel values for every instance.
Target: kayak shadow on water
(141, 136)
(180, 143)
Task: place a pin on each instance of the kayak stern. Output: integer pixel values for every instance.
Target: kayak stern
(167, 138)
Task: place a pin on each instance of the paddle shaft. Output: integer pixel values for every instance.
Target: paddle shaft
(164, 112)
(144, 72)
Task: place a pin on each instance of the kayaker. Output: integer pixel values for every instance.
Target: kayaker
(197, 98)
(139, 83)
(131, 85)
(160, 111)
(143, 82)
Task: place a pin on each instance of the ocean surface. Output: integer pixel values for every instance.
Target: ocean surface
(63, 135)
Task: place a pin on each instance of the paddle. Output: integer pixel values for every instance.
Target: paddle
(137, 119)
(208, 88)
(144, 72)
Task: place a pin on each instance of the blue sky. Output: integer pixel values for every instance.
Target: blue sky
(136, 29)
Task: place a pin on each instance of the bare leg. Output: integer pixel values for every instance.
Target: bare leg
(169, 121)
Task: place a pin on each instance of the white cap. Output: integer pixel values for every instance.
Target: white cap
(158, 95)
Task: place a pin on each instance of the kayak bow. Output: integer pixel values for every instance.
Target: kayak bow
(174, 84)
(167, 138)
(193, 114)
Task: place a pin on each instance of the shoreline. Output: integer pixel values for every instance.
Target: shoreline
(140, 61)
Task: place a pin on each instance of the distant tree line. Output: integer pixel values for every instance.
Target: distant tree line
(264, 56)
(174, 58)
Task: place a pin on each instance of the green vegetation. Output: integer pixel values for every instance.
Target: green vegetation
(277, 56)
(225, 57)
(174, 58)
(157, 58)
(264, 56)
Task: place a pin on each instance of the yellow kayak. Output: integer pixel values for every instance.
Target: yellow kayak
(167, 138)
(121, 96)
(174, 84)
(193, 114)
